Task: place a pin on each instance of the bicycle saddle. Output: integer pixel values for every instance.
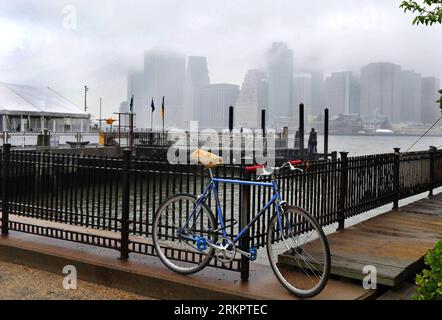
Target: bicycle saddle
(207, 159)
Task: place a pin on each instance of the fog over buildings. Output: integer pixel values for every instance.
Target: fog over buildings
(411, 97)
(342, 93)
(252, 99)
(215, 102)
(322, 53)
(381, 92)
(303, 91)
(429, 94)
(197, 78)
(280, 71)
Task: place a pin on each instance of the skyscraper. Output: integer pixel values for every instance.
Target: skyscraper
(411, 96)
(124, 107)
(302, 93)
(252, 99)
(280, 77)
(318, 93)
(430, 111)
(342, 93)
(214, 105)
(164, 76)
(197, 77)
(355, 97)
(136, 87)
(380, 90)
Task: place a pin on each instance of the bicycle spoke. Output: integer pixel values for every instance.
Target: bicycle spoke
(301, 272)
(174, 231)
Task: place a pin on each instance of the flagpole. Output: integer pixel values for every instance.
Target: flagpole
(152, 105)
(151, 121)
(163, 115)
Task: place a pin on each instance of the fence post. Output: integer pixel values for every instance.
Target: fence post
(124, 249)
(245, 220)
(5, 193)
(343, 190)
(432, 178)
(396, 171)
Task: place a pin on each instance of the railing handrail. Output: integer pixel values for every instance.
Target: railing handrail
(86, 190)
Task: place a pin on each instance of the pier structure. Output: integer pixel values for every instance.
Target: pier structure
(156, 143)
(108, 203)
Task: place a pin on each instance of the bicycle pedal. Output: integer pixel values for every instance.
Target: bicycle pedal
(253, 254)
(201, 243)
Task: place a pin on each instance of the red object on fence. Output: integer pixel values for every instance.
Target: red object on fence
(296, 162)
(254, 168)
(261, 166)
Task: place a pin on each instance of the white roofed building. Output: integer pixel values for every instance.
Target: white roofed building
(32, 109)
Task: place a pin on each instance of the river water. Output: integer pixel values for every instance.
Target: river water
(364, 145)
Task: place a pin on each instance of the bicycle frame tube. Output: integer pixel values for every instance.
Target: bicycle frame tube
(200, 200)
(213, 185)
(274, 199)
(263, 210)
(243, 182)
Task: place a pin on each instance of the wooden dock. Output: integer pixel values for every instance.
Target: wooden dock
(394, 242)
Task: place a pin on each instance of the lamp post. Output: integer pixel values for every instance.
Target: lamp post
(86, 89)
(101, 100)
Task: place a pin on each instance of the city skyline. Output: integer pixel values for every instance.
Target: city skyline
(41, 47)
(378, 89)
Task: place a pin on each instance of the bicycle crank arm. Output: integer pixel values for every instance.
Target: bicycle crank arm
(214, 246)
(243, 253)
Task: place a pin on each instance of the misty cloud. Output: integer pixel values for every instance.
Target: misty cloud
(112, 35)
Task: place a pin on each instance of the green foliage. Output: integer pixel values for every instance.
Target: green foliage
(428, 12)
(429, 283)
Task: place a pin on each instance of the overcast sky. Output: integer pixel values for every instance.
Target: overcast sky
(66, 45)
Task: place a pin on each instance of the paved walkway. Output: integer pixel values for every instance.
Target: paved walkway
(19, 282)
(146, 275)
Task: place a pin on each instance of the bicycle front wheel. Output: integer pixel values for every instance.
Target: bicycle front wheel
(298, 252)
(177, 225)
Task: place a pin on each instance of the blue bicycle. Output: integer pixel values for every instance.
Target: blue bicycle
(187, 236)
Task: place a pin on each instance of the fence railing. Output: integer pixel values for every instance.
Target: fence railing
(111, 202)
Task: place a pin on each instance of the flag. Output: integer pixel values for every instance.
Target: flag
(152, 105)
(162, 110)
(163, 113)
(132, 104)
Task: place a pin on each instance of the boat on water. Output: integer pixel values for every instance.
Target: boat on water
(377, 132)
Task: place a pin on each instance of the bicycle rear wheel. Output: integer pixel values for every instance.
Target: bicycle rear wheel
(298, 252)
(176, 223)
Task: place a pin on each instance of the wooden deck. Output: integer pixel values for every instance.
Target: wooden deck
(395, 242)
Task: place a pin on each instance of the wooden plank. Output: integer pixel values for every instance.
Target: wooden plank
(394, 242)
(405, 291)
(351, 268)
(422, 210)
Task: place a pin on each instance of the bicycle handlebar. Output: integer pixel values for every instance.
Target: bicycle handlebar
(291, 164)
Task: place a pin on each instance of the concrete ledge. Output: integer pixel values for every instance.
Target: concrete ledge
(146, 275)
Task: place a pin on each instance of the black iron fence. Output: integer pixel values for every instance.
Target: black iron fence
(111, 202)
